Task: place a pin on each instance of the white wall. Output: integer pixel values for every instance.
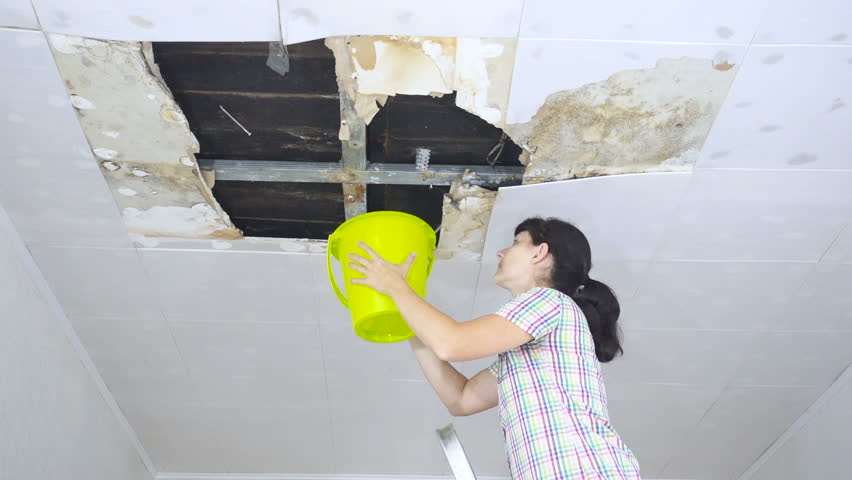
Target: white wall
(822, 446)
(54, 422)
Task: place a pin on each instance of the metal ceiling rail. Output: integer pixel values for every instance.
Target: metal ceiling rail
(373, 173)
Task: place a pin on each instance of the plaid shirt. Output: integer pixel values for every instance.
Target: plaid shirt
(552, 398)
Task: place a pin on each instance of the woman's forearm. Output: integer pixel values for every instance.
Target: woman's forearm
(437, 330)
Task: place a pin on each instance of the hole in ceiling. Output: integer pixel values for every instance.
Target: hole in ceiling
(227, 91)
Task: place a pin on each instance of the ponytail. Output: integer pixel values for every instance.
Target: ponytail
(572, 260)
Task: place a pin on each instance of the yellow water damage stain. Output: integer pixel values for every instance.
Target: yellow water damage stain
(653, 119)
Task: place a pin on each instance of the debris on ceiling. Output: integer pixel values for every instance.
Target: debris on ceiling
(359, 124)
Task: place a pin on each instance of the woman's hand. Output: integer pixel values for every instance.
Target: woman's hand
(379, 274)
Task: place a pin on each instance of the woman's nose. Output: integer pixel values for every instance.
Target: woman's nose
(500, 255)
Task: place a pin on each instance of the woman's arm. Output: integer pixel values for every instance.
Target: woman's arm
(461, 396)
(450, 340)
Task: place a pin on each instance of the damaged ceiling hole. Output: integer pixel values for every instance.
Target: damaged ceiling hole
(226, 90)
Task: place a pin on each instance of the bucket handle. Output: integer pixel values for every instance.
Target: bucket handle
(343, 300)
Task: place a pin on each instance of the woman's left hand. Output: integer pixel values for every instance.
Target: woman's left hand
(379, 274)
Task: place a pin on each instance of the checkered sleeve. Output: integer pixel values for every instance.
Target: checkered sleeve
(536, 311)
(494, 368)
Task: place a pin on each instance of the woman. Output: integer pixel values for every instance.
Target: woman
(551, 338)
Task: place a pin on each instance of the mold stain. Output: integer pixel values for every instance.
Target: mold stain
(635, 121)
(141, 22)
(802, 159)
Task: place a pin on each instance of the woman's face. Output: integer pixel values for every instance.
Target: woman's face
(516, 262)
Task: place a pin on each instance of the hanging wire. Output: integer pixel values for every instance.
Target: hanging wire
(496, 151)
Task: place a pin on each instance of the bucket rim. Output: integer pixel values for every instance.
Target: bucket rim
(363, 216)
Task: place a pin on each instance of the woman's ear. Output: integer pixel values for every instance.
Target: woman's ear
(543, 250)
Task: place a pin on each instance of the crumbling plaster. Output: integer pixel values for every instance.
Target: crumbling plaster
(640, 120)
(140, 138)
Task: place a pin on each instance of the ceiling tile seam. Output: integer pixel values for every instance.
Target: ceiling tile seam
(729, 385)
(653, 257)
(155, 289)
(806, 45)
(844, 378)
(328, 409)
(35, 14)
(78, 246)
(276, 251)
(633, 42)
(472, 303)
(758, 386)
(833, 242)
(16, 28)
(692, 429)
(43, 287)
(775, 170)
(695, 330)
(726, 386)
(235, 323)
(301, 476)
(735, 261)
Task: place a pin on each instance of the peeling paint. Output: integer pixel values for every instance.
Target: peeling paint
(200, 220)
(635, 121)
(466, 212)
(81, 103)
(366, 105)
(479, 70)
(133, 123)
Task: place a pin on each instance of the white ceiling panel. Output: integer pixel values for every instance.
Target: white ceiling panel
(18, 14)
(348, 355)
(308, 20)
(98, 281)
(233, 286)
(759, 215)
(710, 295)
(386, 427)
(609, 210)
(159, 20)
(451, 285)
(688, 357)
(796, 358)
(284, 353)
(822, 303)
(624, 278)
(781, 114)
(545, 66)
(742, 423)
(819, 448)
(653, 419)
(136, 347)
(45, 152)
(482, 440)
(725, 21)
(244, 439)
(818, 21)
(488, 296)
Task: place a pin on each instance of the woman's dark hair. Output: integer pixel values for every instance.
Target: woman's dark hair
(572, 260)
